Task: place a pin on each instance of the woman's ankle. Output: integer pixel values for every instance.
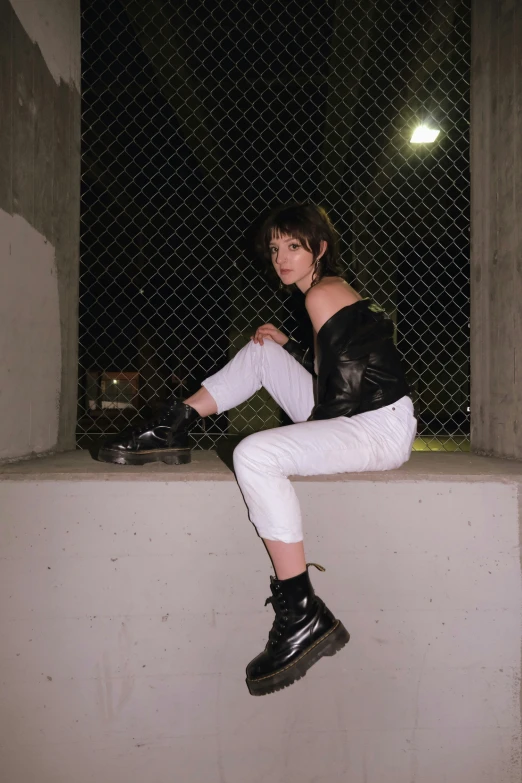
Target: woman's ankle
(288, 559)
(202, 402)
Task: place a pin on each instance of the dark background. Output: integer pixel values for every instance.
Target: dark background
(197, 117)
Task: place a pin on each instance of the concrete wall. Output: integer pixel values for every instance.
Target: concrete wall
(131, 602)
(496, 259)
(39, 223)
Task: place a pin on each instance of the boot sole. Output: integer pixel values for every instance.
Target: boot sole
(326, 645)
(168, 456)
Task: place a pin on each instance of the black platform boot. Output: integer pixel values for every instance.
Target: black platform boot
(304, 630)
(161, 439)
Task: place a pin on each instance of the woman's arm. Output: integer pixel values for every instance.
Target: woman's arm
(295, 349)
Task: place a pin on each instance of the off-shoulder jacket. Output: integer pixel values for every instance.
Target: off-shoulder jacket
(358, 366)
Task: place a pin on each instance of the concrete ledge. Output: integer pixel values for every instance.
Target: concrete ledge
(80, 466)
(131, 600)
(207, 466)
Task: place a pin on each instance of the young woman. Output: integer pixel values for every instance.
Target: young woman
(351, 411)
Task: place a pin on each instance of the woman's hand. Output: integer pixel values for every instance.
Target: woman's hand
(269, 332)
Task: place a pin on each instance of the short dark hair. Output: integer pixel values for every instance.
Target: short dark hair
(309, 224)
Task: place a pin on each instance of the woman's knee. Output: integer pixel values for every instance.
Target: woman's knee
(252, 451)
(267, 350)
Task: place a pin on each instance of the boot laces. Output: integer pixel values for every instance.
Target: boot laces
(148, 424)
(161, 418)
(281, 610)
(280, 620)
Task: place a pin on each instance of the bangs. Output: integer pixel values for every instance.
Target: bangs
(291, 222)
(288, 229)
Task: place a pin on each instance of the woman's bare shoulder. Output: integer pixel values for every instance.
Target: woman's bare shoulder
(327, 297)
(334, 288)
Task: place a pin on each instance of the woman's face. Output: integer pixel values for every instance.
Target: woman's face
(292, 262)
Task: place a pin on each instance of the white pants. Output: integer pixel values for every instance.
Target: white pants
(377, 440)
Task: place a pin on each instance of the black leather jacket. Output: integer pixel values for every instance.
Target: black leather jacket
(359, 367)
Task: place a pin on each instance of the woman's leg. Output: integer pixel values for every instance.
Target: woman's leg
(288, 559)
(202, 402)
(253, 367)
(289, 384)
(165, 437)
(304, 628)
(378, 440)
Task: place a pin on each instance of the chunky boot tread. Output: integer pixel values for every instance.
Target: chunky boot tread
(308, 650)
(180, 456)
(146, 451)
(306, 659)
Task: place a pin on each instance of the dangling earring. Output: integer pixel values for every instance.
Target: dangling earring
(316, 271)
(280, 285)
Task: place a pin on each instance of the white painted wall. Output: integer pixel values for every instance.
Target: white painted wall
(30, 339)
(129, 609)
(55, 26)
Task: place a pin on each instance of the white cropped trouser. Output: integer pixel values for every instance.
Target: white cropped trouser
(377, 440)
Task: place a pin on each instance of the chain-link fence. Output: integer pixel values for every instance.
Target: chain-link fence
(197, 116)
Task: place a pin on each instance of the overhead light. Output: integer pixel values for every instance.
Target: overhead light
(115, 381)
(424, 135)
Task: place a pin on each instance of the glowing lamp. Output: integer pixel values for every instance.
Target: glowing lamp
(424, 135)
